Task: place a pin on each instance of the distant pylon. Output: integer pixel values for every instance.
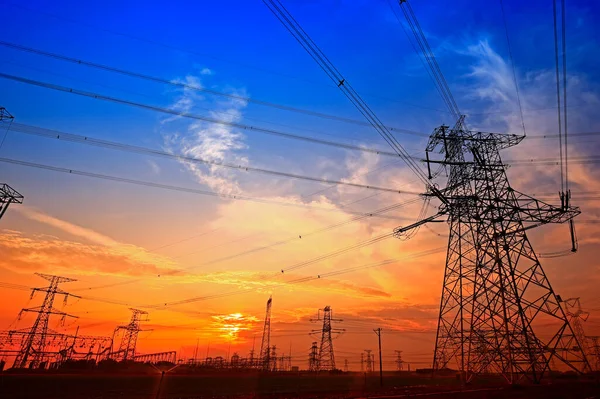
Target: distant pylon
(265, 346)
(313, 357)
(369, 361)
(576, 315)
(33, 347)
(362, 362)
(345, 365)
(273, 358)
(595, 349)
(129, 340)
(399, 361)
(326, 354)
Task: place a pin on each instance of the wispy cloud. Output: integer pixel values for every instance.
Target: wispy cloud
(102, 254)
(209, 141)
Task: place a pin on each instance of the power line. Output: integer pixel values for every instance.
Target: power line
(178, 188)
(195, 87)
(188, 51)
(560, 145)
(288, 21)
(512, 62)
(47, 133)
(168, 111)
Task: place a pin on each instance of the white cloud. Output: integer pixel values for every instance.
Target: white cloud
(209, 141)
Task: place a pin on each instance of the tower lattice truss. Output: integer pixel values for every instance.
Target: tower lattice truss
(498, 311)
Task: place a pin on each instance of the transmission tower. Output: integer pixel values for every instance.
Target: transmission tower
(362, 362)
(130, 335)
(369, 361)
(399, 361)
(33, 347)
(8, 195)
(576, 316)
(265, 346)
(345, 365)
(595, 351)
(313, 357)
(495, 293)
(326, 354)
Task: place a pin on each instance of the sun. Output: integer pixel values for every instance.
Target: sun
(230, 325)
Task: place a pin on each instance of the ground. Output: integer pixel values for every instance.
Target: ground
(93, 385)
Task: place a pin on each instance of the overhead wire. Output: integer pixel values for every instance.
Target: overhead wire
(196, 53)
(75, 138)
(429, 56)
(564, 54)
(169, 111)
(560, 145)
(512, 62)
(193, 87)
(180, 189)
(288, 21)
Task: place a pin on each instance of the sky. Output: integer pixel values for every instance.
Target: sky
(204, 266)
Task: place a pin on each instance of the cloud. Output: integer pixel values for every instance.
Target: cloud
(208, 141)
(122, 258)
(267, 282)
(43, 253)
(154, 167)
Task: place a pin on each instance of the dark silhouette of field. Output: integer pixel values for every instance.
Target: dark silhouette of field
(187, 385)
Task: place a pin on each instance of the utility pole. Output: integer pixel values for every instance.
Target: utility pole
(378, 332)
(130, 336)
(265, 346)
(326, 354)
(33, 348)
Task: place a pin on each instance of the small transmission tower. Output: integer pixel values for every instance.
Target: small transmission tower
(576, 316)
(595, 347)
(369, 361)
(265, 346)
(313, 357)
(33, 347)
(326, 354)
(130, 335)
(399, 361)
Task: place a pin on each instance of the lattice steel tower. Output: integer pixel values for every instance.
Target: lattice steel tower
(33, 347)
(326, 354)
(265, 346)
(129, 339)
(313, 357)
(495, 292)
(8, 195)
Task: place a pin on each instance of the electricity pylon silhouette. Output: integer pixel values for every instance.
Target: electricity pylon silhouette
(313, 357)
(576, 316)
(33, 347)
(326, 353)
(369, 368)
(399, 361)
(495, 294)
(265, 346)
(129, 339)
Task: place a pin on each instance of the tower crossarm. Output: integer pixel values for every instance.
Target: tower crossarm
(400, 231)
(533, 210)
